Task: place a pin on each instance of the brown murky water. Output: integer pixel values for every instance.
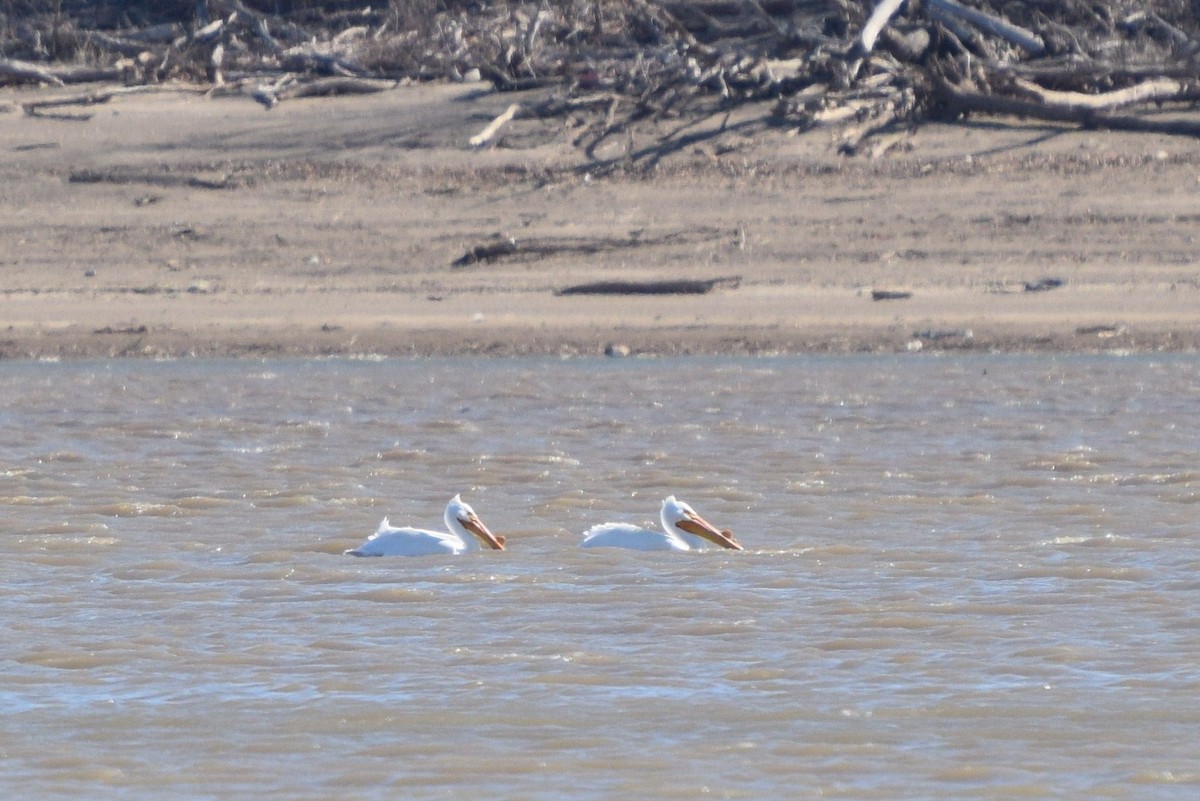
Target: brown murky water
(967, 577)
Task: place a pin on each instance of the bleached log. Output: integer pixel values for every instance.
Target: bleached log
(25, 72)
(214, 65)
(1148, 20)
(82, 73)
(837, 114)
(884, 11)
(328, 87)
(485, 136)
(1088, 72)
(33, 107)
(308, 59)
(210, 32)
(848, 111)
(114, 44)
(971, 101)
(1014, 34)
(1152, 91)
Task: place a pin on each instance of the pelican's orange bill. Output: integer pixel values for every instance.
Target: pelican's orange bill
(474, 525)
(695, 524)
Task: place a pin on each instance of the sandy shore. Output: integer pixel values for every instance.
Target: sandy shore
(170, 224)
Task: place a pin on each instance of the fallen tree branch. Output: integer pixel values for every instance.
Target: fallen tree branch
(682, 286)
(884, 11)
(959, 100)
(34, 107)
(104, 96)
(486, 135)
(57, 75)
(1028, 41)
(117, 176)
(329, 87)
(499, 246)
(490, 251)
(1152, 91)
(24, 72)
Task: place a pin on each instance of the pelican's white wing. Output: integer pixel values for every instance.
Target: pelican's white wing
(623, 535)
(391, 541)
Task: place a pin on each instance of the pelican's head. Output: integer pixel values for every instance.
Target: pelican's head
(678, 515)
(461, 517)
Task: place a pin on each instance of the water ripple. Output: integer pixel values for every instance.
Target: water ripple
(954, 567)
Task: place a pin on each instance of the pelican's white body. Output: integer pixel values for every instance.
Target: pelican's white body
(626, 535)
(389, 540)
(671, 538)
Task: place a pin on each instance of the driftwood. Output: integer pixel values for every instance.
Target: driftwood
(331, 87)
(133, 329)
(943, 334)
(24, 72)
(866, 70)
(499, 246)
(966, 101)
(33, 107)
(883, 12)
(1028, 41)
(890, 294)
(118, 176)
(668, 287)
(58, 74)
(1044, 284)
(488, 133)
(1103, 331)
(487, 252)
(1153, 91)
(40, 107)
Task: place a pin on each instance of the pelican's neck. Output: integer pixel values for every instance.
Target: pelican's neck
(456, 528)
(673, 532)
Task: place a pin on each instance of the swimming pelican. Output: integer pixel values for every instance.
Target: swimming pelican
(462, 524)
(683, 530)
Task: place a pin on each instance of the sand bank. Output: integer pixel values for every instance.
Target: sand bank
(170, 224)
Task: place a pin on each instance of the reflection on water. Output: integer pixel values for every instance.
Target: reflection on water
(965, 577)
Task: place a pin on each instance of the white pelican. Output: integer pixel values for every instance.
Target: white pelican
(462, 524)
(683, 530)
